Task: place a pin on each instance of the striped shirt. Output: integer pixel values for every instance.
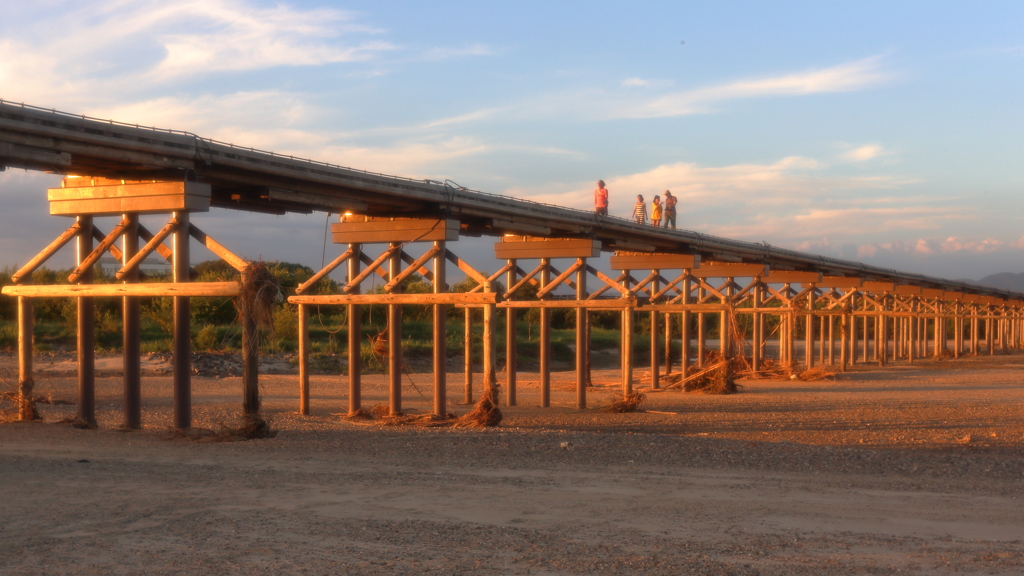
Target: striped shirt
(640, 213)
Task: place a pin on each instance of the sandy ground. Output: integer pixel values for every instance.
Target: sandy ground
(907, 470)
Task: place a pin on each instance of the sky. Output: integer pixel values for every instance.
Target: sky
(886, 132)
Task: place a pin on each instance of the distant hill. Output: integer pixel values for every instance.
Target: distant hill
(1004, 280)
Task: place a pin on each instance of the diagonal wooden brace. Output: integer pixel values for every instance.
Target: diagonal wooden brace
(411, 269)
(370, 269)
(327, 270)
(580, 263)
(153, 242)
(236, 262)
(102, 247)
(114, 250)
(50, 250)
(526, 278)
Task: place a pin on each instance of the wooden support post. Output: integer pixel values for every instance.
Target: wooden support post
(544, 353)
(912, 331)
(990, 331)
(701, 332)
(355, 337)
(467, 357)
(791, 335)
(655, 331)
(974, 330)
(183, 327)
(490, 384)
(303, 359)
(757, 335)
(441, 339)
(809, 336)
(884, 330)
(131, 323)
(821, 335)
(852, 340)
(844, 336)
(395, 335)
(582, 340)
(627, 350)
(958, 329)
(250, 355)
(26, 331)
(725, 347)
(510, 339)
(86, 330)
(667, 343)
(864, 334)
(831, 341)
(684, 354)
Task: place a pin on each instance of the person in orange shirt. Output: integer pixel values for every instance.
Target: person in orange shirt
(601, 199)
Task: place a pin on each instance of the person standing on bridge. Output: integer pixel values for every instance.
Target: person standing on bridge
(640, 210)
(670, 209)
(601, 199)
(656, 210)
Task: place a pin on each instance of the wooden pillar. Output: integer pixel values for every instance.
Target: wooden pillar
(831, 341)
(684, 355)
(725, 347)
(791, 334)
(182, 327)
(883, 332)
(250, 356)
(627, 350)
(544, 353)
(852, 340)
(26, 333)
(86, 331)
(701, 331)
(864, 334)
(990, 330)
(395, 335)
(441, 334)
(490, 384)
(355, 338)
(668, 343)
(821, 335)
(131, 325)
(510, 340)
(655, 364)
(958, 329)
(809, 336)
(912, 331)
(582, 341)
(756, 333)
(467, 356)
(844, 336)
(974, 330)
(303, 359)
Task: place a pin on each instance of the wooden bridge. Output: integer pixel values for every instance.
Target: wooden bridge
(394, 227)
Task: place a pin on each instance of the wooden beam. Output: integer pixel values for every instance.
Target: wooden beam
(151, 289)
(609, 282)
(327, 270)
(524, 248)
(394, 230)
(521, 227)
(114, 250)
(561, 278)
(50, 250)
(791, 277)
(877, 287)
(525, 279)
(370, 269)
(419, 262)
(845, 282)
(135, 197)
(162, 250)
(327, 203)
(153, 242)
(88, 262)
(634, 261)
(907, 291)
(724, 270)
(605, 303)
(236, 262)
(466, 268)
(397, 299)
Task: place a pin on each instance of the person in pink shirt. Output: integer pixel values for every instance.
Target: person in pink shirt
(601, 199)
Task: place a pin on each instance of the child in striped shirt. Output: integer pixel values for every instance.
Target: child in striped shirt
(640, 210)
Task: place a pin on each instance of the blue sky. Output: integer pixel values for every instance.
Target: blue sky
(888, 132)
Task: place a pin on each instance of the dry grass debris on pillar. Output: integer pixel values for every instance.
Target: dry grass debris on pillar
(626, 403)
(258, 293)
(484, 414)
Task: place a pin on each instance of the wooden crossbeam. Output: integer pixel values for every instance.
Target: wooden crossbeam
(372, 267)
(153, 242)
(557, 272)
(492, 278)
(525, 279)
(114, 250)
(162, 250)
(236, 262)
(434, 250)
(579, 263)
(608, 284)
(45, 254)
(466, 268)
(327, 270)
(98, 251)
(604, 303)
(422, 270)
(149, 289)
(615, 284)
(400, 299)
(367, 260)
(668, 286)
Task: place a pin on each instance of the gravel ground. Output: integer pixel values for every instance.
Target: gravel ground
(908, 470)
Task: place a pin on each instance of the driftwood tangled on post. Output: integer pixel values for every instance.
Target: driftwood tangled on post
(258, 292)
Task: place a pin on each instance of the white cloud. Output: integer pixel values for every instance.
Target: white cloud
(842, 78)
(468, 50)
(863, 153)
